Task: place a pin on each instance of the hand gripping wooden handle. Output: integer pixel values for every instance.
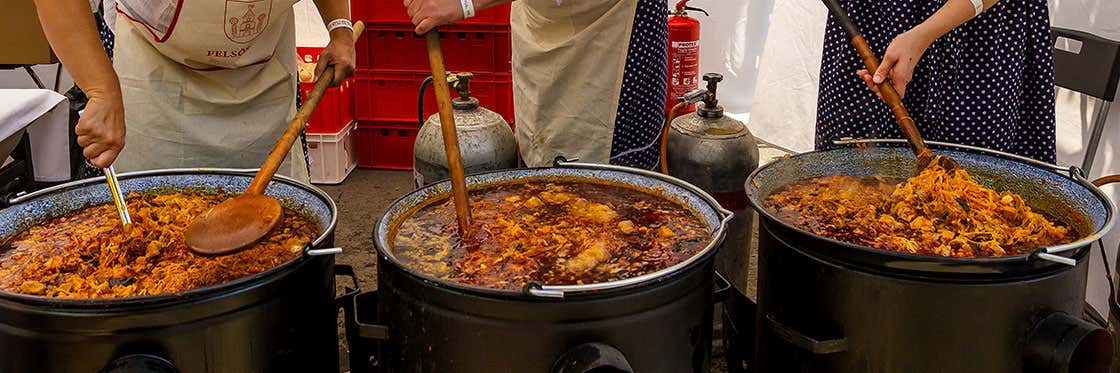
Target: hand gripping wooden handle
(295, 126)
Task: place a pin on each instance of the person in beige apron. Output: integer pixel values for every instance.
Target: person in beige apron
(201, 83)
(586, 75)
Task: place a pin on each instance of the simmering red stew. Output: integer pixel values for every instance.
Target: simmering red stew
(86, 254)
(554, 232)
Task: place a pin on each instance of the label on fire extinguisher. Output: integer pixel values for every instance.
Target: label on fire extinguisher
(684, 58)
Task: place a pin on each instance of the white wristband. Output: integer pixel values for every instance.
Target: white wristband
(468, 8)
(340, 23)
(978, 5)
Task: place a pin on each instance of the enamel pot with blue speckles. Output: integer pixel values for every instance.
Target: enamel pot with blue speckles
(280, 320)
(830, 306)
(660, 322)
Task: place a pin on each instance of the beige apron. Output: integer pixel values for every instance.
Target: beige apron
(206, 83)
(568, 62)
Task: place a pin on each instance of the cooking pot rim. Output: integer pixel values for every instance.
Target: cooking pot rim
(1073, 173)
(561, 291)
(101, 303)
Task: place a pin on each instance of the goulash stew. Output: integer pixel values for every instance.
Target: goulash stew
(86, 254)
(938, 212)
(552, 232)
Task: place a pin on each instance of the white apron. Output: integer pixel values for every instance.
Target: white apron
(206, 83)
(568, 62)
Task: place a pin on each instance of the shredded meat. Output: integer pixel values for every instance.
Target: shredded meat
(555, 233)
(937, 212)
(86, 254)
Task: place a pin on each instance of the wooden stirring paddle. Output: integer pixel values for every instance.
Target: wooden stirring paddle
(890, 96)
(450, 137)
(240, 222)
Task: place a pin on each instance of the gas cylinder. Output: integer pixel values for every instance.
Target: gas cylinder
(684, 55)
(486, 141)
(716, 153)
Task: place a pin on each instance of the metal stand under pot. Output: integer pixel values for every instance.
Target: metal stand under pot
(658, 322)
(829, 306)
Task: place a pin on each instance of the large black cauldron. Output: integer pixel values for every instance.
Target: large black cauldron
(281, 320)
(828, 306)
(660, 322)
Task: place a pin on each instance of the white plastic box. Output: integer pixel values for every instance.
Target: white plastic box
(332, 155)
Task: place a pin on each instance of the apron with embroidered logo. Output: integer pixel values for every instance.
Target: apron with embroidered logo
(206, 83)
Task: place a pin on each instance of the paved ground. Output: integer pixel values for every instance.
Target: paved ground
(361, 200)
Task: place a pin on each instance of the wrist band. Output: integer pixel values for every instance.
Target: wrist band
(468, 8)
(978, 5)
(340, 23)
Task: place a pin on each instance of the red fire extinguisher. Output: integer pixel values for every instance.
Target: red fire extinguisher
(684, 55)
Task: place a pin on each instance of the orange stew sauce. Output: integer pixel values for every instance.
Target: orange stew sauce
(551, 232)
(937, 212)
(86, 254)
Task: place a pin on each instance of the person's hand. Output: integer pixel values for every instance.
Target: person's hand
(898, 63)
(427, 14)
(338, 53)
(101, 129)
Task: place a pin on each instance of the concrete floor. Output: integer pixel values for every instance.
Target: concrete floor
(361, 200)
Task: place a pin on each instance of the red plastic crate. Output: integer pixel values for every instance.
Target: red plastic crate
(482, 49)
(336, 109)
(385, 144)
(391, 96)
(393, 11)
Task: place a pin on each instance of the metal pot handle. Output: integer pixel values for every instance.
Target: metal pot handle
(310, 250)
(799, 339)
(361, 329)
(587, 357)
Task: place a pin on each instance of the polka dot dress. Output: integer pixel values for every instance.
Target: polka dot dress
(989, 83)
(641, 106)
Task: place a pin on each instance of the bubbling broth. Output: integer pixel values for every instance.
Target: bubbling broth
(555, 232)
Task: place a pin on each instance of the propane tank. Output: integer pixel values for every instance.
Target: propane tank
(717, 153)
(486, 141)
(684, 55)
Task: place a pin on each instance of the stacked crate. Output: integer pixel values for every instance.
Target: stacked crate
(329, 133)
(393, 61)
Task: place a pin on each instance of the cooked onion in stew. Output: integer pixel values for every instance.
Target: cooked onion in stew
(552, 232)
(938, 212)
(86, 254)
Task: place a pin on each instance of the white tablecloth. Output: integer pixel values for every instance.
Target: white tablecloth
(45, 114)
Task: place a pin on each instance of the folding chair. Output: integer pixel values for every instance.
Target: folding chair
(1092, 70)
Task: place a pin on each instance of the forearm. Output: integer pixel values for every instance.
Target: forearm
(68, 25)
(951, 15)
(331, 10)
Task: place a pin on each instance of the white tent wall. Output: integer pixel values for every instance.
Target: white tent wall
(783, 109)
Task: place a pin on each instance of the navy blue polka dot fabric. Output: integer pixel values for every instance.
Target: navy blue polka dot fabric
(103, 29)
(641, 106)
(989, 83)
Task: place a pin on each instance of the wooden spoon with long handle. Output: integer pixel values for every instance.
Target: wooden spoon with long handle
(450, 137)
(890, 96)
(240, 222)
